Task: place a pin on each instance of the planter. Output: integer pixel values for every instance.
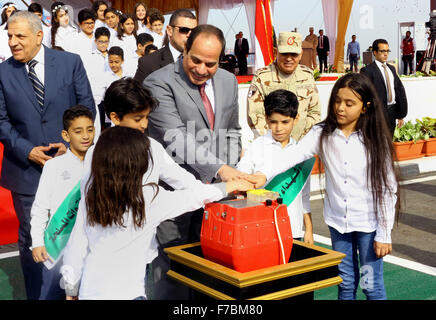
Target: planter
(429, 148)
(316, 166)
(409, 150)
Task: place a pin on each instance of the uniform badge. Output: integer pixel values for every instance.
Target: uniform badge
(291, 41)
(252, 91)
(66, 175)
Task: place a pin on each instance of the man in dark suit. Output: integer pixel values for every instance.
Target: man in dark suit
(181, 23)
(241, 53)
(387, 83)
(197, 121)
(36, 85)
(323, 50)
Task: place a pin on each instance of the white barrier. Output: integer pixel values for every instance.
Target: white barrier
(421, 97)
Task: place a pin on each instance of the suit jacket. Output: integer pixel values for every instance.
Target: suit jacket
(180, 122)
(153, 62)
(244, 47)
(326, 44)
(24, 125)
(374, 73)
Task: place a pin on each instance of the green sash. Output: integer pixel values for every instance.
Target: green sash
(61, 224)
(290, 183)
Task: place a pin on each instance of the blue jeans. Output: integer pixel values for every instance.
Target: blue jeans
(51, 289)
(370, 274)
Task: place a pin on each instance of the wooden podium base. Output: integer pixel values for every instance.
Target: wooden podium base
(309, 268)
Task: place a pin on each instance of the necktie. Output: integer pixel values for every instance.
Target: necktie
(38, 87)
(207, 105)
(388, 83)
(320, 42)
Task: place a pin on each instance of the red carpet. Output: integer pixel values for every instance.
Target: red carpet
(8, 220)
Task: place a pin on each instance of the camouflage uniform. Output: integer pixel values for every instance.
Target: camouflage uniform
(313, 38)
(301, 82)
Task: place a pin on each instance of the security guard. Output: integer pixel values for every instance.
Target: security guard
(285, 73)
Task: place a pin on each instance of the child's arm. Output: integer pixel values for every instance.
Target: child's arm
(307, 216)
(39, 214)
(303, 150)
(247, 162)
(75, 253)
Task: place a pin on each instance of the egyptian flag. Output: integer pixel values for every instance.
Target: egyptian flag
(264, 34)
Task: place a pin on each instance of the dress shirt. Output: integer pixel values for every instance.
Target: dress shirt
(127, 43)
(391, 80)
(64, 35)
(265, 150)
(353, 48)
(208, 88)
(39, 67)
(111, 262)
(174, 52)
(348, 203)
(83, 45)
(59, 176)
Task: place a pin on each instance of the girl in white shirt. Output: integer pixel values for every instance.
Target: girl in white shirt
(99, 7)
(107, 251)
(140, 11)
(61, 30)
(126, 36)
(356, 149)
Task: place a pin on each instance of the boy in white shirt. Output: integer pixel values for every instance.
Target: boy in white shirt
(281, 108)
(143, 40)
(157, 21)
(59, 176)
(84, 42)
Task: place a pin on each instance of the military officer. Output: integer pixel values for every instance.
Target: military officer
(285, 73)
(313, 39)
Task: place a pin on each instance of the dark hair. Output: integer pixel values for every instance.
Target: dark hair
(34, 7)
(127, 96)
(157, 16)
(120, 29)
(73, 113)
(96, 5)
(116, 51)
(143, 38)
(102, 31)
(110, 9)
(281, 101)
(54, 23)
(207, 29)
(86, 14)
(377, 42)
(374, 132)
(185, 13)
(149, 12)
(149, 48)
(3, 15)
(121, 158)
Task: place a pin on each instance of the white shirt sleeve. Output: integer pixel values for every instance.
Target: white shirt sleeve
(247, 163)
(303, 150)
(41, 206)
(305, 193)
(75, 252)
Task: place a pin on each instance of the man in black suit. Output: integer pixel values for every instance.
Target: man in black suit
(181, 23)
(241, 52)
(323, 50)
(387, 83)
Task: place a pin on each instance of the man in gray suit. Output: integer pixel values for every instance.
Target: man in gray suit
(197, 121)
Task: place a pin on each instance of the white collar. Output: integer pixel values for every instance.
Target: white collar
(40, 55)
(174, 52)
(380, 64)
(270, 140)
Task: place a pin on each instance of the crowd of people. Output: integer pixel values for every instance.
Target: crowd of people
(138, 142)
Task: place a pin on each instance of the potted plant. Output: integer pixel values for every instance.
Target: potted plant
(428, 128)
(408, 141)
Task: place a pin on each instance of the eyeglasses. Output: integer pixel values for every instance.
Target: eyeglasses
(183, 30)
(89, 23)
(102, 42)
(384, 51)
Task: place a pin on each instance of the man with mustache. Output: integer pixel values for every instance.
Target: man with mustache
(285, 73)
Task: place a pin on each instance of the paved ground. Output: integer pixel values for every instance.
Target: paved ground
(414, 239)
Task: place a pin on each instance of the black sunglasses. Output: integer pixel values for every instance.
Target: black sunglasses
(183, 30)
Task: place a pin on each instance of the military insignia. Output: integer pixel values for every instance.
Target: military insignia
(252, 91)
(291, 41)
